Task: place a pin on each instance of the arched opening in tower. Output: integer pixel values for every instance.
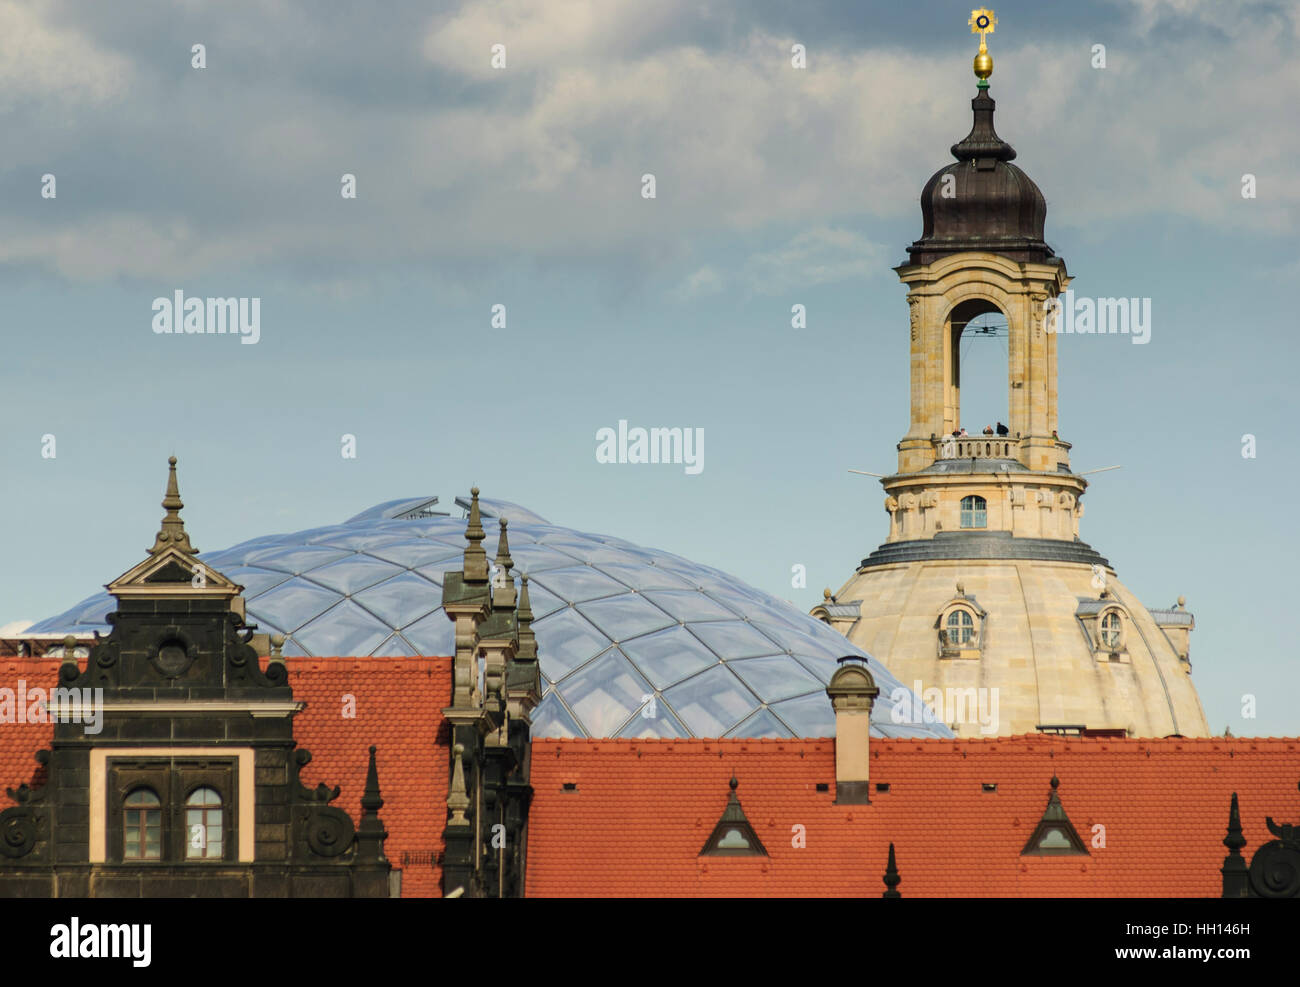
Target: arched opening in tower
(978, 360)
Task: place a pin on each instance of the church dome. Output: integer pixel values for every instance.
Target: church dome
(616, 624)
(982, 201)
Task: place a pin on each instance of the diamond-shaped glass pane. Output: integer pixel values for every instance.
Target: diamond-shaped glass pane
(432, 635)
(605, 693)
(353, 574)
(776, 678)
(294, 602)
(255, 580)
(689, 605)
(569, 640)
(735, 639)
(402, 599)
(642, 577)
(344, 630)
(296, 559)
(551, 719)
(623, 617)
(808, 716)
(394, 647)
(653, 720)
(712, 702)
(577, 583)
(669, 656)
(412, 554)
(761, 724)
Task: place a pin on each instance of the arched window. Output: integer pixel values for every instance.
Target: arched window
(204, 835)
(974, 512)
(961, 627)
(142, 826)
(1111, 629)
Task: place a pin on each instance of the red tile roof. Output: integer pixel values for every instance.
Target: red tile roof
(643, 809)
(399, 703)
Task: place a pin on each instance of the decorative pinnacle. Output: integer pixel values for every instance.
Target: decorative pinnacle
(503, 590)
(476, 564)
(892, 880)
(982, 22)
(172, 533)
(69, 650)
(1234, 841)
(371, 802)
(524, 620)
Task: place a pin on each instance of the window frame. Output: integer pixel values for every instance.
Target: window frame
(172, 780)
(973, 513)
(140, 824)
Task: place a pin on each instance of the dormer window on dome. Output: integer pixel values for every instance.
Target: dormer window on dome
(1105, 623)
(961, 627)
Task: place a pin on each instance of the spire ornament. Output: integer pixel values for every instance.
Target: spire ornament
(476, 562)
(983, 22)
(172, 533)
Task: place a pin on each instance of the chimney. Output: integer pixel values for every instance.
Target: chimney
(853, 692)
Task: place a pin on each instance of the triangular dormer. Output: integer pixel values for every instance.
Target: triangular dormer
(733, 836)
(1055, 835)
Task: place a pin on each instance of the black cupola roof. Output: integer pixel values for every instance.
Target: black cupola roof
(992, 206)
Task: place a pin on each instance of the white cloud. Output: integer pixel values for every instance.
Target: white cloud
(545, 159)
(51, 63)
(818, 256)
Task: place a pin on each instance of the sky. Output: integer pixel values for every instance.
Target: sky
(522, 186)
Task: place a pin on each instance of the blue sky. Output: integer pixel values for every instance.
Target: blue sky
(521, 187)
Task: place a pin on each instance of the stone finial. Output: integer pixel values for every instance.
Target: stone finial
(527, 650)
(458, 799)
(172, 533)
(476, 563)
(1182, 603)
(371, 833)
(961, 589)
(1234, 869)
(277, 646)
(70, 650)
(371, 802)
(826, 594)
(503, 589)
(892, 879)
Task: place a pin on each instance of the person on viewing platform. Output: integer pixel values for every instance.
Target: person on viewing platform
(1003, 430)
(961, 434)
(988, 429)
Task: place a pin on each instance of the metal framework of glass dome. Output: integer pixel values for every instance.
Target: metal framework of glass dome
(633, 642)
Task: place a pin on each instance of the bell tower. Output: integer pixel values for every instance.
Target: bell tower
(983, 598)
(982, 252)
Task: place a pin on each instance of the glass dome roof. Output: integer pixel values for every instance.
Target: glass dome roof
(633, 642)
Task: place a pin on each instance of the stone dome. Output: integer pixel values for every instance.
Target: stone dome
(633, 642)
(988, 204)
(1042, 647)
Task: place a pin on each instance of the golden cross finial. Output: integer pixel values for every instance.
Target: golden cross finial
(982, 22)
